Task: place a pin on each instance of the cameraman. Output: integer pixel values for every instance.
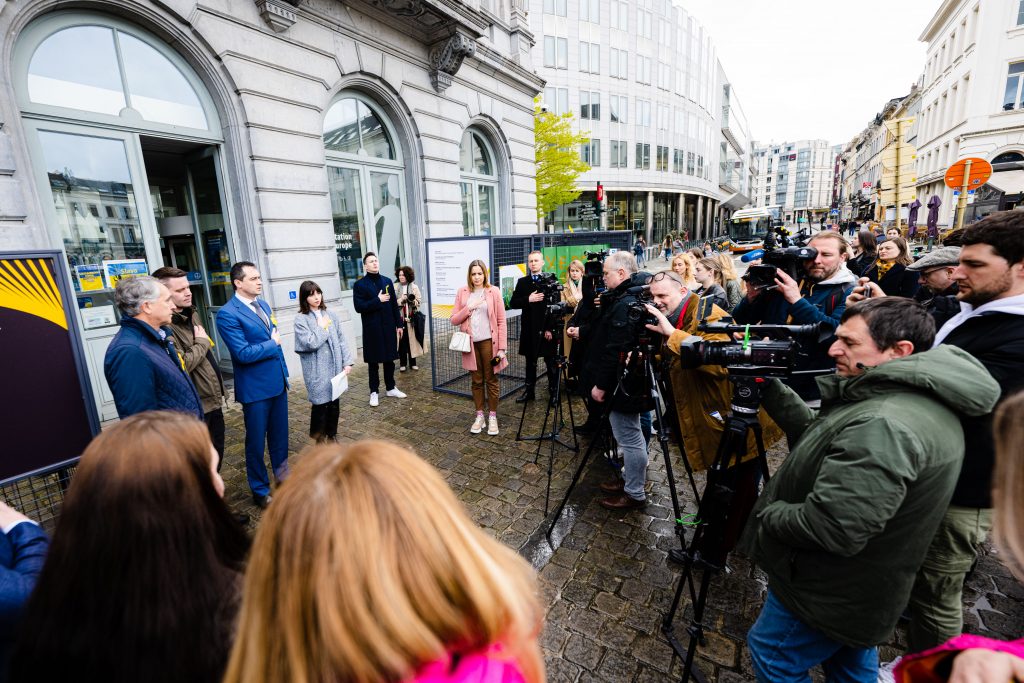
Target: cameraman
(702, 392)
(534, 340)
(820, 296)
(844, 524)
(614, 337)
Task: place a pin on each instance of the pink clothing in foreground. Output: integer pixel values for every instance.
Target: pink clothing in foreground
(495, 314)
(922, 666)
(485, 667)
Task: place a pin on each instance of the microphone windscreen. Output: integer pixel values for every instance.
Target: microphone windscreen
(752, 256)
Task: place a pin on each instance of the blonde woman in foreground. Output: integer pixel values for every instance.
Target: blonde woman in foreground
(367, 569)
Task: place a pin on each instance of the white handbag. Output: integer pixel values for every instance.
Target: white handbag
(460, 342)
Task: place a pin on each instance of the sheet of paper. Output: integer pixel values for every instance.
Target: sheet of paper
(339, 385)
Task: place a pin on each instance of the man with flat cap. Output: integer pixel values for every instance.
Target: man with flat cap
(938, 288)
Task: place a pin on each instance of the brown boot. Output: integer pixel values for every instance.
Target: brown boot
(622, 502)
(616, 485)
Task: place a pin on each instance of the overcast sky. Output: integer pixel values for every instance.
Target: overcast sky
(806, 69)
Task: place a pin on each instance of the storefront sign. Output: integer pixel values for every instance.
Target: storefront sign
(49, 415)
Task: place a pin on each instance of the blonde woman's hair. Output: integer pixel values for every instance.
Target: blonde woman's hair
(687, 273)
(483, 267)
(729, 271)
(1008, 483)
(575, 263)
(715, 267)
(367, 567)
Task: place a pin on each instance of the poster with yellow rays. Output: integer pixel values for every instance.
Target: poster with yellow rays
(48, 414)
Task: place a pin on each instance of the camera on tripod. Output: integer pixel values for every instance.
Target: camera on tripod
(774, 358)
(638, 315)
(788, 259)
(550, 287)
(593, 272)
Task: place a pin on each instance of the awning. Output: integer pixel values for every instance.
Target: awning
(1008, 182)
(737, 201)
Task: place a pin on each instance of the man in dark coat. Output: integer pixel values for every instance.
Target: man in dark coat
(938, 288)
(534, 340)
(990, 327)
(374, 298)
(142, 365)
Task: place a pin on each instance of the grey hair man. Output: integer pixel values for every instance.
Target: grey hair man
(142, 365)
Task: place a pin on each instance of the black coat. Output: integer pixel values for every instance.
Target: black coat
(859, 264)
(942, 306)
(531, 340)
(997, 340)
(897, 281)
(381, 321)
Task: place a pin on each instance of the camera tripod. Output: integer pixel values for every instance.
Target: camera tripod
(555, 404)
(729, 496)
(641, 361)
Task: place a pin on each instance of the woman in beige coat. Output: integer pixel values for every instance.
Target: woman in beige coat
(409, 301)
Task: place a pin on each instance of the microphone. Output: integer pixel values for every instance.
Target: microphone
(861, 366)
(752, 256)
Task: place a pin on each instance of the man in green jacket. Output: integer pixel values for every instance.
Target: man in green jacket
(844, 524)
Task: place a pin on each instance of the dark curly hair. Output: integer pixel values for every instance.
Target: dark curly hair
(410, 274)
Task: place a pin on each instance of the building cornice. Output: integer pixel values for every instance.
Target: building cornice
(938, 20)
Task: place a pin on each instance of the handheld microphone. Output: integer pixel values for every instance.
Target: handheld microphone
(752, 256)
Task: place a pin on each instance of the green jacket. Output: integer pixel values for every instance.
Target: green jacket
(199, 362)
(843, 526)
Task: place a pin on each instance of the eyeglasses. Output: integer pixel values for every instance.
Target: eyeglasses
(669, 275)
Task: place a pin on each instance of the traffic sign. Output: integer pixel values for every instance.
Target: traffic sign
(980, 172)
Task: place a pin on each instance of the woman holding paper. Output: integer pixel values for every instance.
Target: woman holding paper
(326, 360)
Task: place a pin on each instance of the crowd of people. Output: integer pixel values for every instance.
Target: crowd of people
(904, 428)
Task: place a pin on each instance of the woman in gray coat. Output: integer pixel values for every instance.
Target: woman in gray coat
(325, 354)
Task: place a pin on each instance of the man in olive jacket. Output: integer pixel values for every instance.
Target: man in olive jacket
(844, 524)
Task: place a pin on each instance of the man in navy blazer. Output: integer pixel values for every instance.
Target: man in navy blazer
(249, 330)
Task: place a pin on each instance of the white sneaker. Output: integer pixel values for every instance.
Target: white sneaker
(478, 425)
(395, 393)
(374, 399)
(492, 425)
(401, 368)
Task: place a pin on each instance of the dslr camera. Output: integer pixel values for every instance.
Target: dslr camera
(550, 287)
(774, 358)
(788, 259)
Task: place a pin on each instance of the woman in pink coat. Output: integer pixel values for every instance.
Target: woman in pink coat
(480, 312)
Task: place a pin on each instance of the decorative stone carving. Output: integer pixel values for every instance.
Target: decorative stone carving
(446, 58)
(403, 8)
(278, 13)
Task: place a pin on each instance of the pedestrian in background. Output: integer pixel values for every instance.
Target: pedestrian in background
(409, 301)
(144, 573)
(480, 312)
(375, 300)
(369, 569)
(249, 330)
(666, 246)
(196, 351)
(640, 249)
(890, 272)
(324, 353)
(142, 365)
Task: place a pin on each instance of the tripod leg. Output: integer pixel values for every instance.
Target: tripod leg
(572, 484)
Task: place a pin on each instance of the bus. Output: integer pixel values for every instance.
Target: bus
(748, 228)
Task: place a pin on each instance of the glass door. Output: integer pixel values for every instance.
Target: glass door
(104, 224)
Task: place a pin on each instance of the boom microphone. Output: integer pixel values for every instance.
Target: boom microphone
(752, 256)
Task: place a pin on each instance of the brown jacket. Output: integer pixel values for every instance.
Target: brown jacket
(705, 390)
(199, 362)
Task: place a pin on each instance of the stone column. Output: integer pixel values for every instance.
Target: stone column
(649, 217)
(680, 214)
(699, 225)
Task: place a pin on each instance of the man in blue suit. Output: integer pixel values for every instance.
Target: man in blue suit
(249, 330)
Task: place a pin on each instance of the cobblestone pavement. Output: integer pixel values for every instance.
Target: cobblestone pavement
(608, 584)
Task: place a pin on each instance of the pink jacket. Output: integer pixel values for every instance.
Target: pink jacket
(495, 313)
(483, 667)
(920, 667)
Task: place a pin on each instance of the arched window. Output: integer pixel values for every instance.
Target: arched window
(478, 181)
(1008, 157)
(365, 174)
(112, 72)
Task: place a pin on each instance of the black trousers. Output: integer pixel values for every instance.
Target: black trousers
(531, 372)
(389, 376)
(405, 358)
(215, 423)
(323, 420)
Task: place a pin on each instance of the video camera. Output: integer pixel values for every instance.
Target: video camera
(788, 259)
(550, 287)
(593, 273)
(774, 358)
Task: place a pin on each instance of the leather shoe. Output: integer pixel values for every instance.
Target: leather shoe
(525, 396)
(613, 486)
(586, 429)
(622, 502)
(262, 501)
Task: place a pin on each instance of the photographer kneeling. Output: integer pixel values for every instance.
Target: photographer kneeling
(819, 296)
(844, 525)
(614, 337)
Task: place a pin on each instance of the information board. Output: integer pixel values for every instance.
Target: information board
(48, 414)
(447, 264)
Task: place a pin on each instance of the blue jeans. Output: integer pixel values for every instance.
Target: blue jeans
(647, 425)
(266, 425)
(783, 649)
(626, 429)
